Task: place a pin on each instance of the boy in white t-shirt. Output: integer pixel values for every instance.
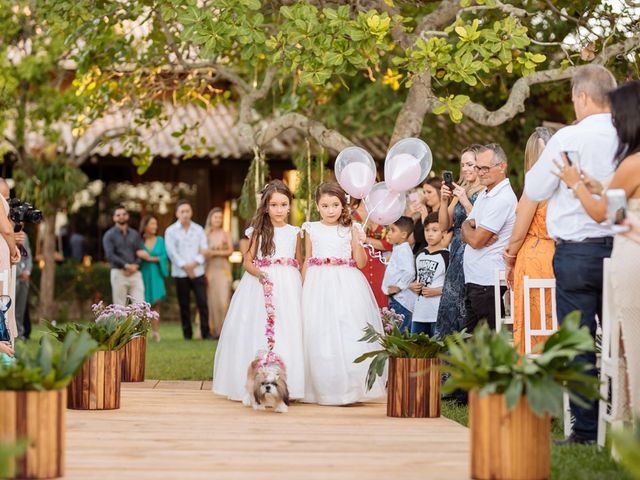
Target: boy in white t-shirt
(400, 272)
(431, 266)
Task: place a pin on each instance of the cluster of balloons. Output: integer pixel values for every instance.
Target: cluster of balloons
(407, 164)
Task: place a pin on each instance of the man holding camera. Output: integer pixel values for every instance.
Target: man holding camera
(9, 255)
(121, 242)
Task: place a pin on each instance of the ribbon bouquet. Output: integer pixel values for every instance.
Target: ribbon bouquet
(406, 165)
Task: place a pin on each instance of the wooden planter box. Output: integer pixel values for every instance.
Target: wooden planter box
(505, 444)
(133, 360)
(40, 418)
(97, 385)
(414, 388)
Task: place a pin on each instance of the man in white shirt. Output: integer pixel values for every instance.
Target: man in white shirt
(581, 243)
(185, 241)
(401, 271)
(486, 233)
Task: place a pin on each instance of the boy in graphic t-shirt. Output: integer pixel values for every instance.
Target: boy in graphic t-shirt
(431, 266)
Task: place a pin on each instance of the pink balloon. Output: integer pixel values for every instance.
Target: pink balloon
(402, 172)
(357, 179)
(384, 206)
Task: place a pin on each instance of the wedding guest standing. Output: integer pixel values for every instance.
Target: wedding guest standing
(185, 240)
(581, 242)
(430, 203)
(456, 204)
(9, 253)
(622, 281)
(217, 270)
(121, 243)
(154, 268)
(530, 250)
(376, 236)
(486, 232)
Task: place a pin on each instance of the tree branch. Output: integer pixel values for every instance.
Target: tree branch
(221, 70)
(326, 137)
(506, 8)
(14, 147)
(521, 88)
(109, 134)
(418, 103)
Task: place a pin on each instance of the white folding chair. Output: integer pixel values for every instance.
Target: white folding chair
(611, 369)
(501, 281)
(542, 285)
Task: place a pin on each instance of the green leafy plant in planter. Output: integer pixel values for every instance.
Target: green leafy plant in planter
(627, 445)
(396, 344)
(9, 451)
(141, 312)
(111, 333)
(489, 363)
(48, 367)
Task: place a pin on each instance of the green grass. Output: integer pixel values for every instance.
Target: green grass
(572, 462)
(173, 358)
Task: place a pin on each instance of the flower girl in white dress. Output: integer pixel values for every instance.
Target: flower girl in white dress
(274, 250)
(337, 304)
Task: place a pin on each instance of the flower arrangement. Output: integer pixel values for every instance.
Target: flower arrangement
(331, 261)
(269, 331)
(396, 344)
(141, 312)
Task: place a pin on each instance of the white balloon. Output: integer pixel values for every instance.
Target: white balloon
(414, 147)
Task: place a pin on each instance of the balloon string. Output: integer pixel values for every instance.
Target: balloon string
(373, 253)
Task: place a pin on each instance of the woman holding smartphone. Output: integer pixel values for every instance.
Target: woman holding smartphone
(455, 205)
(622, 285)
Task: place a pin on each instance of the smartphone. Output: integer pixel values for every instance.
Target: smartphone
(447, 178)
(617, 209)
(574, 157)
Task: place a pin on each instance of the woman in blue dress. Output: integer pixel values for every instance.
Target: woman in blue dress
(154, 268)
(454, 208)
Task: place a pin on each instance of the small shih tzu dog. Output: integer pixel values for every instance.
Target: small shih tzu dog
(267, 383)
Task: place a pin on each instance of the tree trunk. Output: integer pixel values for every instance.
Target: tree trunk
(419, 102)
(48, 277)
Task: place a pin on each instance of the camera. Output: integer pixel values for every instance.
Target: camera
(23, 212)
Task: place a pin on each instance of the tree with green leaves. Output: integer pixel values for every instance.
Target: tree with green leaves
(338, 70)
(40, 105)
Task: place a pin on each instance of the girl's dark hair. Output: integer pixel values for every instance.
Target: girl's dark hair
(334, 190)
(144, 222)
(625, 105)
(261, 223)
(435, 182)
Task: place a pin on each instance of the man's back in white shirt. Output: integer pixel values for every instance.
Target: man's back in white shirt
(596, 141)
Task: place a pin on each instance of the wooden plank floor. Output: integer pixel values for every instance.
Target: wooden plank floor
(177, 430)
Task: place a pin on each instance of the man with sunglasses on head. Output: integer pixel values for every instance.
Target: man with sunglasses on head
(486, 233)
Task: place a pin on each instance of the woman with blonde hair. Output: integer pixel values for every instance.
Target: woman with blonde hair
(530, 249)
(217, 269)
(454, 207)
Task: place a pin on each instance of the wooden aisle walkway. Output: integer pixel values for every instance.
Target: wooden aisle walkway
(180, 430)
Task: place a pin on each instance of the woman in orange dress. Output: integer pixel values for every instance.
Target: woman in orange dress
(530, 251)
(377, 238)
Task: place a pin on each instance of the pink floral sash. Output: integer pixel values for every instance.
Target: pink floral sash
(331, 261)
(269, 262)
